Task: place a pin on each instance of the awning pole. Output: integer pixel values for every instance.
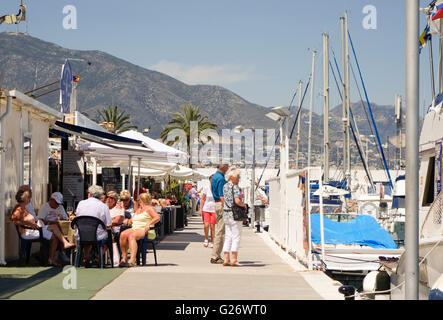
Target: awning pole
(3, 184)
(138, 182)
(130, 175)
(94, 171)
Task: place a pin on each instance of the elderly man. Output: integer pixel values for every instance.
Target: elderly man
(217, 183)
(93, 207)
(53, 210)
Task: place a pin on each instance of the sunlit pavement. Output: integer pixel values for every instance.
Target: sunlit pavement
(184, 272)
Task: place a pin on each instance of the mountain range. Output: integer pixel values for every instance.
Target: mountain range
(150, 97)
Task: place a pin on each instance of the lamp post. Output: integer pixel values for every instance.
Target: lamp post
(281, 115)
(252, 192)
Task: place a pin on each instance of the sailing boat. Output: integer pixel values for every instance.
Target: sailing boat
(352, 243)
(430, 187)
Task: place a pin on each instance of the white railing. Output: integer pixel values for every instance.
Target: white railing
(290, 229)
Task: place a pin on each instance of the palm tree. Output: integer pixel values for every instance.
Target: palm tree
(181, 122)
(116, 121)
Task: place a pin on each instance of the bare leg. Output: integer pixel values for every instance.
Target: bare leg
(56, 231)
(124, 244)
(53, 243)
(206, 230)
(86, 252)
(227, 258)
(234, 257)
(133, 238)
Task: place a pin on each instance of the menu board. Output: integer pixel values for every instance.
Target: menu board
(73, 176)
(112, 179)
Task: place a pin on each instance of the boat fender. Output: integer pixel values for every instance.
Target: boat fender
(437, 290)
(376, 281)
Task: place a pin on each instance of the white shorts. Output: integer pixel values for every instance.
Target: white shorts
(31, 234)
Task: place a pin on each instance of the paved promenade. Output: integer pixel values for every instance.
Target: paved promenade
(184, 272)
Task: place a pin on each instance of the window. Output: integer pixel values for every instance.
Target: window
(27, 146)
(428, 195)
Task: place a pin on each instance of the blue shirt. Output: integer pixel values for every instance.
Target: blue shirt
(217, 183)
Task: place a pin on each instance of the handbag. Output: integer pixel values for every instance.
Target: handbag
(239, 213)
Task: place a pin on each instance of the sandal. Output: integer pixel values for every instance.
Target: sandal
(205, 244)
(226, 264)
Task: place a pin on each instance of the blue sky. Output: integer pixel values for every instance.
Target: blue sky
(259, 49)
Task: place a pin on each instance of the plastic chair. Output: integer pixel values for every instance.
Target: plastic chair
(87, 231)
(142, 246)
(24, 248)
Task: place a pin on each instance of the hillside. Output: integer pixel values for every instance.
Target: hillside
(151, 97)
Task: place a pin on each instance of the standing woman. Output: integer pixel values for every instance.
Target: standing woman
(231, 193)
(207, 209)
(144, 218)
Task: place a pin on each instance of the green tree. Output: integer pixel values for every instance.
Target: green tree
(182, 121)
(119, 120)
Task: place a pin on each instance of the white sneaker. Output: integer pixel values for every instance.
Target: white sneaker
(211, 245)
(205, 244)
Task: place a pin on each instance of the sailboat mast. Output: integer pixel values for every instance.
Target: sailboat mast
(431, 62)
(342, 22)
(310, 107)
(326, 105)
(348, 104)
(300, 93)
(440, 64)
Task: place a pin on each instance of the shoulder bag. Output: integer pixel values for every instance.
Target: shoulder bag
(239, 213)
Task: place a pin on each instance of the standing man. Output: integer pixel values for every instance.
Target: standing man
(217, 183)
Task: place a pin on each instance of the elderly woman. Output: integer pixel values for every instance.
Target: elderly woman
(142, 221)
(29, 229)
(233, 229)
(117, 213)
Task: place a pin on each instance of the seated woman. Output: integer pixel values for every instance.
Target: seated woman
(29, 229)
(145, 217)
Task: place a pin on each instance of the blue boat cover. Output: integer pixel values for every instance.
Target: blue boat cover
(363, 230)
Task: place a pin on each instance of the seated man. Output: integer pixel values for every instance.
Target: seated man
(94, 207)
(53, 211)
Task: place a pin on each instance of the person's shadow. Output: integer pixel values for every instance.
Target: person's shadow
(254, 264)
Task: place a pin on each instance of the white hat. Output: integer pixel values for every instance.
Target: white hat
(58, 197)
